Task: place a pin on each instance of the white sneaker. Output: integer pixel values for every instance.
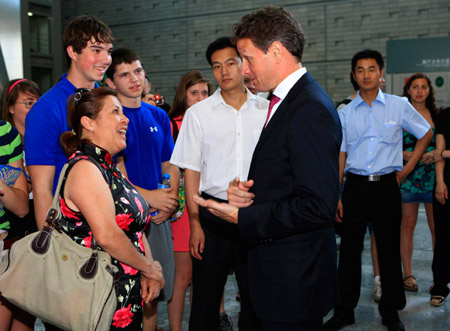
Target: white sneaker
(377, 289)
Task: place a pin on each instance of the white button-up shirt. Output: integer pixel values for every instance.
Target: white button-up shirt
(218, 141)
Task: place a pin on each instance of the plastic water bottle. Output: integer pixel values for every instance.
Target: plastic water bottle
(164, 183)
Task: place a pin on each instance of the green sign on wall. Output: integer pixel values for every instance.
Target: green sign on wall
(418, 55)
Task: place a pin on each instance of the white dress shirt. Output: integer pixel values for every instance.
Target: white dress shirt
(218, 141)
(282, 90)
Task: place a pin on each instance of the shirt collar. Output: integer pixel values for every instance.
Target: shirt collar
(380, 98)
(286, 84)
(217, 99)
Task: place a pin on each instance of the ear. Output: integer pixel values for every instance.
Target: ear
(276, 50)
(86, 122)
(71, 52)
(11, 110)
(111, 84)
(381, 73)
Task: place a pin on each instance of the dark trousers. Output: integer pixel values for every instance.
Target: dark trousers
(221, 253)
(441, 256)
(310, 325)
(379, 203)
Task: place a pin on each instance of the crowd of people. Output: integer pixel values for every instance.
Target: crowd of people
(258, 163)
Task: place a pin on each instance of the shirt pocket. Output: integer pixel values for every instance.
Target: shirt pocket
(391, 133)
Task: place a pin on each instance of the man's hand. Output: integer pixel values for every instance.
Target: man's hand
(165, 200)
(225, 211)
(197, 242)
(339, 212)
(150, 99)
(159, 218)
(402, 174)
(238, 193)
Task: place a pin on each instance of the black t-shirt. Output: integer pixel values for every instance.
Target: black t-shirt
(443, 127)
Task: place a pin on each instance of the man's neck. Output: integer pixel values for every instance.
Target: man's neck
(236, 97)
(129, 102)
(78, 80)
(369, 96)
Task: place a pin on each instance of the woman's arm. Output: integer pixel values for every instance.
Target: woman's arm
(87, 191)
(441, 187)
(15, 198)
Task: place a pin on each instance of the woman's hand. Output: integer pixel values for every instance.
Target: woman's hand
(151, 288)
(427, 158)
(154, 271)
(437, 155)
(441, 192)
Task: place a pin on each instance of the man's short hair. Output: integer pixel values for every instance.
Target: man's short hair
(218, 44)
(119, 56)
(82, 29)
(368, 54)
(266, 25)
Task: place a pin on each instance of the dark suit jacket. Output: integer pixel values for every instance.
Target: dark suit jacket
(289, 230)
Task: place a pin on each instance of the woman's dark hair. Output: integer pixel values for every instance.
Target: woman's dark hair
(191, 78)
(430, 101)
(83, 103)
(10, 95)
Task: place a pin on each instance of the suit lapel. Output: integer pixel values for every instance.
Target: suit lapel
(282, 109)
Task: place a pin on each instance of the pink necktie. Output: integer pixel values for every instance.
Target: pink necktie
(273, 100)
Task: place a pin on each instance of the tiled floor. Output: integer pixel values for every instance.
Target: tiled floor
(417, 315)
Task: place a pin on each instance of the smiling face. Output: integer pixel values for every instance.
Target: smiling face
(257, 65)
(419, 90)
(368, 74)
(20, 109)
(109, 128)
(128, 80)
(90, 65)
(196, 93)
(226, 68)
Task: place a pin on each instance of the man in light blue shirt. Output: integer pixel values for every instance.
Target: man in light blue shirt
(371, 154)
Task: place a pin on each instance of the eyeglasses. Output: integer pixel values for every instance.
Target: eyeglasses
(28, 104)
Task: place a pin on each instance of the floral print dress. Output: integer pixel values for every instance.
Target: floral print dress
(132, 216)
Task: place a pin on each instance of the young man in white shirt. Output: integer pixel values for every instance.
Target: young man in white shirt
(215, 145)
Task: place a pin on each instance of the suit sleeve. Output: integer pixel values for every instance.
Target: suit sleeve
(309, 199)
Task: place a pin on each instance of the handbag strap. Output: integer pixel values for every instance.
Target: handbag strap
(54, 213)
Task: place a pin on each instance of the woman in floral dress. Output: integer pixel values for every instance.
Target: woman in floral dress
(97, 201)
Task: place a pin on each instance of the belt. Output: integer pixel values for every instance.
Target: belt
(370, 178)
(207, 196)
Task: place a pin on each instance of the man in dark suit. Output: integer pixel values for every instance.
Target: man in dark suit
(285, 212)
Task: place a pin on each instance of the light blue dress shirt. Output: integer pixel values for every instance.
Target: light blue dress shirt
(372, 135)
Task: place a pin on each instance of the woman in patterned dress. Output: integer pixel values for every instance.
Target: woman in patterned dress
(418, 186)
(97, 201)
